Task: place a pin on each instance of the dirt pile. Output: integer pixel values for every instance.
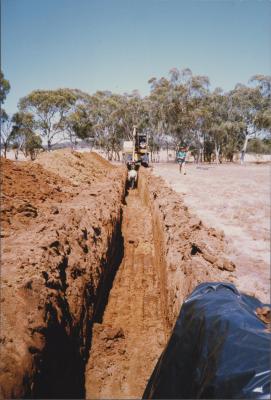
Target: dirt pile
(28, 191)
(79, 168)
(57, 257)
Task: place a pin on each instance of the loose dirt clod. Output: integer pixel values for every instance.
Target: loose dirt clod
(264, 314)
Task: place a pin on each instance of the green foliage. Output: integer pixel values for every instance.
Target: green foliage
(179, 109)
(78, 123)
(6, 131)
(23, 136)
(33, 144)
(4, 87)
(27, 142)
(263, 120)
(23, 121)
(3, 115)
(259, 146)
(49, 108)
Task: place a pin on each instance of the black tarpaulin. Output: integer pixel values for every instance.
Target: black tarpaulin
(219, 349)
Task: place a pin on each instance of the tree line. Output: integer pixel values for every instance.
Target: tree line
(180, 110)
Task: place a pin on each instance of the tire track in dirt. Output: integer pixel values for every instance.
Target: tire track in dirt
(132, 335)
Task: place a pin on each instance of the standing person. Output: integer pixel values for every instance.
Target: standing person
(181, 157)
(132, 177)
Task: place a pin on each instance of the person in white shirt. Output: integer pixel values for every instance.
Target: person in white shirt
(132, 177)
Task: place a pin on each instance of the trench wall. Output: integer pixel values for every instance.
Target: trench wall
(47, 316)
(187, 252)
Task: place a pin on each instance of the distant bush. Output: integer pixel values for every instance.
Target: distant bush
(259, 146)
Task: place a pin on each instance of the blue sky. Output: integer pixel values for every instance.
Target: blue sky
(118, 45)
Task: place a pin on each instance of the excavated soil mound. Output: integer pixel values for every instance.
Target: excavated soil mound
(27, 190)
(61, 243)
(79, 168)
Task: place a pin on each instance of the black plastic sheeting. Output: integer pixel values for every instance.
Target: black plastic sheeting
(219, 349)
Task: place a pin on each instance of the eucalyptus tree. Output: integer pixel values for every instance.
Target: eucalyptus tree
(49, 108)
(23, 136)
(133, 111)
(262, 119)
(78, 121)
(176, 106)
(33, 145)
(108, 126)
(113, 117)
(245, 104)
(6, 120)
(158, 104)
(260, 146)
(233, 138)
(194, 112)
(6, 131)
(79, 124)
(4, 87)
(222, 125)
(264, 84)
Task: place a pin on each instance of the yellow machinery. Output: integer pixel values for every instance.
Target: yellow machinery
(136, 150)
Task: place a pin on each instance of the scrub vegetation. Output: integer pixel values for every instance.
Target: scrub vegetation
(179, 109)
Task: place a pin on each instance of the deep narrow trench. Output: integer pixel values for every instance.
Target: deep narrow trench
(130, 336)
(61, 373)
(111, 352)
(61, 366)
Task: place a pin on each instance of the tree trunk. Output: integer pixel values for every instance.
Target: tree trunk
(49, 145)
(200, 155)
(243, 151)
(217, 151)
(71, 143)
(33, 155)
(203, 157)
(24, 151)
(197, 156)
(5, 149)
